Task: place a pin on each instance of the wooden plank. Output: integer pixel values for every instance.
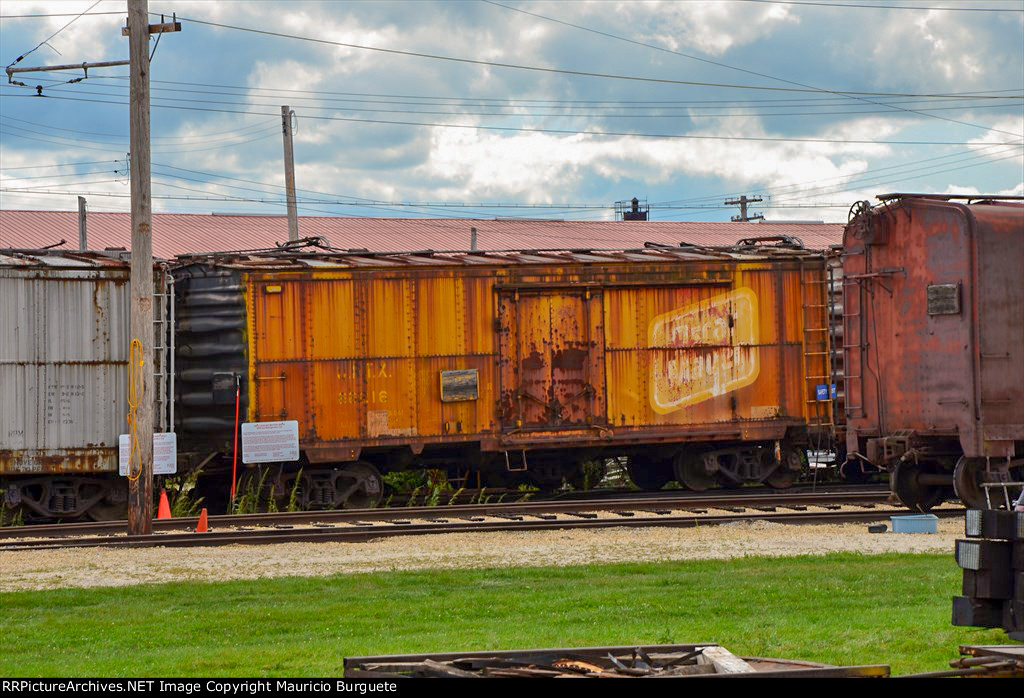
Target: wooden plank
(444, 670)
(685, 670)
(724, 661)
(158, 28)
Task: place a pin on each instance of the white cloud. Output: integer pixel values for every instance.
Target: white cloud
(709, 27)
(422, 163)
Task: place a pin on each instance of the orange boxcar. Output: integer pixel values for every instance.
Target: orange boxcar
(697, 364)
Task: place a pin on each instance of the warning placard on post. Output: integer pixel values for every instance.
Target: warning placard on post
(270, 442)
(165, 453)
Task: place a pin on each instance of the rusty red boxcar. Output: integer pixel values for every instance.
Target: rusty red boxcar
(934, 344)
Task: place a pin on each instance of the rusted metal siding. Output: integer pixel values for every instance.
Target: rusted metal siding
(568, 350)
(552, 374)
(708, 352)
(952, 366)
(362, 360)
(63, 363)
(999, 332)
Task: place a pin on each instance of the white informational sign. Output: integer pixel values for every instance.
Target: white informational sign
(165, 453)
(270, 442)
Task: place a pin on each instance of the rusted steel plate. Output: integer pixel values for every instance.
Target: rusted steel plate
(934, 331)
(589, 347)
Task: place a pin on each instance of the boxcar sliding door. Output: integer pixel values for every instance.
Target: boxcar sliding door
(551, 354)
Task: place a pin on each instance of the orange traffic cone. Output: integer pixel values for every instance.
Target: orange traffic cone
(204, 524)
(164, 511)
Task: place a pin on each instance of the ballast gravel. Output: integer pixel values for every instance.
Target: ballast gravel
(92, 567)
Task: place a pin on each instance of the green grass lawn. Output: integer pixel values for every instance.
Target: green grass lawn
(839, 609)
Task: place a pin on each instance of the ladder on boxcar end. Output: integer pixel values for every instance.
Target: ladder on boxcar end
(814, 290)
(163, 354)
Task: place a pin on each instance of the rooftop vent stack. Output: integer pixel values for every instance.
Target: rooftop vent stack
(472, 239)
(83, 239)
(634, 212)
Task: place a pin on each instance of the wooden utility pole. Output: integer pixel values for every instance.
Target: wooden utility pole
(289, 172)
(743, 201)
(140, 466)
(141, 328)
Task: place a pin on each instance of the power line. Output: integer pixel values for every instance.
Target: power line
(55, 176)
(60, 164)
(667, 136)
(685, 113)
(730, 67)
(88, 181)
(883, 7)
(494, 64)
(845, 179)
(63, 14)
(454, 206)
(76, 142)
(978, 94)
(44, 41)
(204, 137)
(122, 139)
(776, 103)
(902, 177)
(859, 178)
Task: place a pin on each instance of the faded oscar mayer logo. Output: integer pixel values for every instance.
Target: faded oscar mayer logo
(696, 355)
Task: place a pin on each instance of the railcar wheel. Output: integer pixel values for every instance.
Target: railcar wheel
(691, 473)
(359, 486)
(354, 486)
(649, 474)
(906, 484)
(968, 476)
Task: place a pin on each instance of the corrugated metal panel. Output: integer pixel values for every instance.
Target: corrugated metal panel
(63, 367)
(175, 234)
(63, 362)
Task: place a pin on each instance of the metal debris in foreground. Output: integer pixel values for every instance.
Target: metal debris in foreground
(654, 661)
(990, 661)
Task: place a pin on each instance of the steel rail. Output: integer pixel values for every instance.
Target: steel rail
(618, 501)
(384, 529)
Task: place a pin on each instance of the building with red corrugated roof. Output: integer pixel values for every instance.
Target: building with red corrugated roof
(188, 233)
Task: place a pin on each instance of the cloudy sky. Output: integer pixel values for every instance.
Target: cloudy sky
(430, 108)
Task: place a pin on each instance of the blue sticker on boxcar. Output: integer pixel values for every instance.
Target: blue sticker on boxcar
(833, 391)
(822, 391)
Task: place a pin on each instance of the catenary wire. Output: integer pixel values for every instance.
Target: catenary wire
(514, 129)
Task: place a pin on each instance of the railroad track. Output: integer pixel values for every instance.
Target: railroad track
(369, 524)
(610, 500)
